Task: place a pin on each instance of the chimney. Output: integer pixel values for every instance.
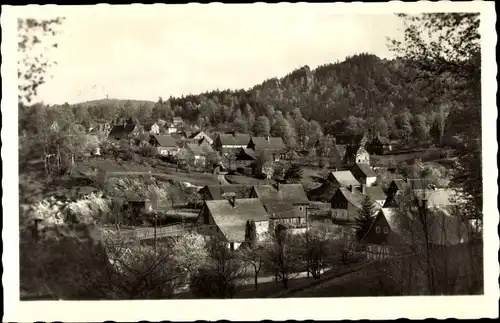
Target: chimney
(350, 188)
(233, 201)
(267, 138)
(363, 188)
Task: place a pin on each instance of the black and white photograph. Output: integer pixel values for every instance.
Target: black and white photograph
(249, 161)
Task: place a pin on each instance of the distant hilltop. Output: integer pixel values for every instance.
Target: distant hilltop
(114, 102)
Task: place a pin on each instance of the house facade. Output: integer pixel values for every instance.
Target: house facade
(286, 204)
(346, 205)
(379, 145)
(152, 128)
(274, 146)
(228, 142)
(166, 145)
(227, 219)
(201, 136)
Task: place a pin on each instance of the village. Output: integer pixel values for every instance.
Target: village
(223, 185)
(353, 170)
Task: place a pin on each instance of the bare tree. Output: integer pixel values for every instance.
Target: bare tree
(222, 276)
(254, 257)
(283, 255)
(131, 270)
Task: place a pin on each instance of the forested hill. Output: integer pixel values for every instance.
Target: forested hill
(363, 92)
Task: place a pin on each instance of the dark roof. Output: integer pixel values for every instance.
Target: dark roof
(215, 192)
(375, 192)
(231, 219)
(382, 140)
(290, 193)
(200, 150)
(268, 143)
(121, 131)
(391, 202)
(281, 210)
(356, 198)
(344, 178)
(323, 193)
(365, 169)
(239, 139)
(165, 140)
(246, 154)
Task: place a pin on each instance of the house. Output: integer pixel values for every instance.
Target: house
(286, 204)
(364, 174)
(166, 145)
(392, 228)
(199, 153)
(274, 146)
(343, 178)
(171, 129)
(398, 186)
(221, 192)
(379, 145)
(231, 141)
(376, 193)
(245, 157)
(152, 128)
(123, 131)
(334, 180)
(227, 219)
(337, 156)
(346, 204)
(100, 127)
(201, 136)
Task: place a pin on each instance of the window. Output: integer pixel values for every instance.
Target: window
(301, 208)
(386, 230)
(377, 229)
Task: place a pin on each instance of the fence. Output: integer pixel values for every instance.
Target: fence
(148, 233)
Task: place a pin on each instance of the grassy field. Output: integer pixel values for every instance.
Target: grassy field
(429, 154)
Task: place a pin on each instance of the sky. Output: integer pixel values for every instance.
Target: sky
(136, 52)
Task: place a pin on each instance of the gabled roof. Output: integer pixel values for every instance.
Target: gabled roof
(268, 143)
(200, 150)
(239, 139)
(365, 169)
(289, 193)
(246, 154)
(215, 192)
(382, 140)
(231, 219)
(344, 178)
(121, 131)
(353, 198)
(391, 202)
(375, 192)
(356, 198)
(280, 210)
(165, 140)
(324, 193)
